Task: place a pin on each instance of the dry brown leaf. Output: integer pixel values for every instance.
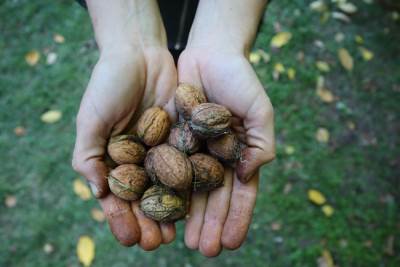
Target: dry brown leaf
(58, 38)
(281, 39)
(51, 116)
(325, 95)
(10, 201)
(322, 135)
(345, 59)
(81, 189)
(85, 250)
(316, 197)
(32, 57)
(19, 131)
(97, 215)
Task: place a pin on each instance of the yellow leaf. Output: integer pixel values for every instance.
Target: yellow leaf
(85, 250)
(322, 135)
(51, 116)
(32, 57)
(281, 39)
(325, 95)
(326, 259)
(366, 54)
(359, 39)
(58, 38)
(278, 67)
(289, 150)
(316, 197)
(291, 73)
(81, 189)
(98, 215)
(327, 210)
(254, 57)
(347, 7)
(322, 66)
(345, 59)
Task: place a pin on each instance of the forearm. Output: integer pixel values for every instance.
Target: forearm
(130, 24)
(226, 23)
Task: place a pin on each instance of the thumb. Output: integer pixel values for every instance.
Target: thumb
(251, 161)
(89, 153)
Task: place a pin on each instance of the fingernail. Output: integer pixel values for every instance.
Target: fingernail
(94, 189)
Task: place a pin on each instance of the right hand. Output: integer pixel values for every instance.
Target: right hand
(129, 77)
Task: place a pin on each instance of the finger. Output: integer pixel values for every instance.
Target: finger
(195, 219)
(150, 233)
(215, 216)
(122, 222)
(240, 213)
(168, 232)
(89, 152)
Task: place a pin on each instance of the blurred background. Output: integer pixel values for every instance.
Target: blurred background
(331, 198)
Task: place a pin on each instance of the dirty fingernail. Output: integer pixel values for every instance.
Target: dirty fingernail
(95, 190)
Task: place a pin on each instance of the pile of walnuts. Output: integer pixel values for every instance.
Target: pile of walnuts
(161, 165)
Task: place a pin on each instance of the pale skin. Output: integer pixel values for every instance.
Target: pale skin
(136, 71)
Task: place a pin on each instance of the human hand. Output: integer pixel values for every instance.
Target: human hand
(215, 61)
(132, 74)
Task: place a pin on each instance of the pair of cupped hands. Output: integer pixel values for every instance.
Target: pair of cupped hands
(128, 79)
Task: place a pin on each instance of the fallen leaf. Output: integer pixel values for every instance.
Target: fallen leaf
(32, 57)
(322, 66)
(322, 135)
(85, 250)
(19, 131)
(345, 59)
(351, 125)
(325, 95)
(276, 226)
(51, 58)
(254, 57)
(278, 67)
(48, 248)
(288, 188)
(389, 247)
(320, 82)
(339, 37)
(58, 38)
(81, 189)
(10, 201)
(265, 56)
(281, 39)
(327, 210)
(319, 44)
(316, 197)
(289, 150)
(318, 6)
(326, 259)
(97, 215)
(359, 39)
(51, 116)
(340, 16)
(291, 73)
(347, 7)
(366, 54)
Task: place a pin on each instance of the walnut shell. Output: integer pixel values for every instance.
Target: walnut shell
(162, 204)
(153, 126)
(210, 120)
(183, 139)
(208, 172)
(128, 181)
(188, 97)
(167, 165)
(126, 149)
(226, 148)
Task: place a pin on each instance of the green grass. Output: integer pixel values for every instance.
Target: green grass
(356, 170)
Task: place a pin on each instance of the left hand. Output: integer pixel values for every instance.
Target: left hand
(221, 218)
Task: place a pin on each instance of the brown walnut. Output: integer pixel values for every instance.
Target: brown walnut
(188, 97)
(126, 149)
(208, 172)
(128, 181)
(167, 165)
(162, 204)
(226, 148)
(210, 120)
(153, 126)
(183, 139)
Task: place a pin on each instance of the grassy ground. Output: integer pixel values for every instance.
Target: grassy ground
(357, 170)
